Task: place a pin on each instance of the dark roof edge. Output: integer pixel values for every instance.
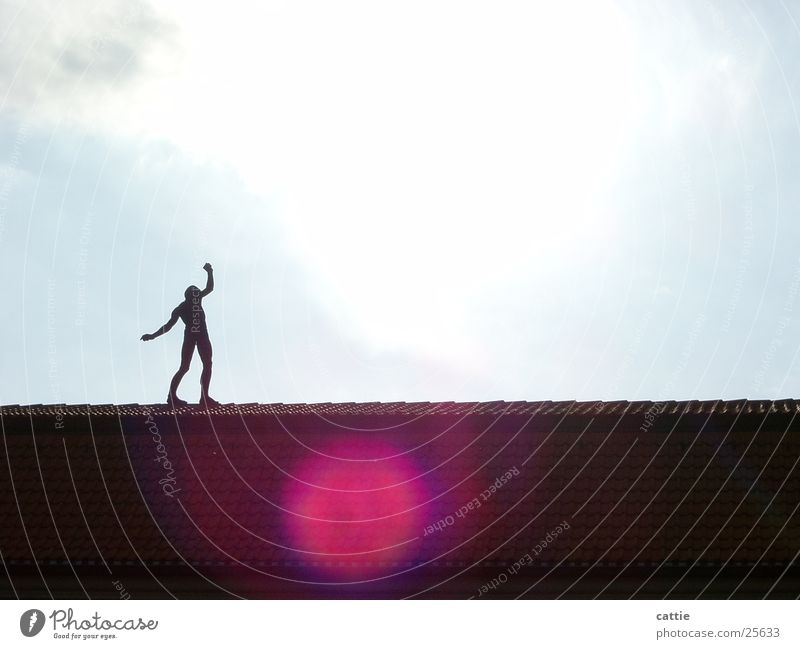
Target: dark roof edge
(495, 408)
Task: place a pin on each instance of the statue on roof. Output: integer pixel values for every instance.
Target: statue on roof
(195, 334)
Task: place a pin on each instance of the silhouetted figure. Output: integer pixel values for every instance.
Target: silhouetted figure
(195, 334)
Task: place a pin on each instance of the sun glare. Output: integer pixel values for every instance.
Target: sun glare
(420, 153)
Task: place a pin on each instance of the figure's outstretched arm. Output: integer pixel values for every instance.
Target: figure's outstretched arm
(209, 282)
(164, 329)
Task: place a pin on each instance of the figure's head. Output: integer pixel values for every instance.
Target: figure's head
(191, 292)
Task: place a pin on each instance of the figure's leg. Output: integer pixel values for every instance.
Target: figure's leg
(204, 349)
(186, 360)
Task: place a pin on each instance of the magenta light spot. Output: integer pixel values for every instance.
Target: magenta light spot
(356, 507)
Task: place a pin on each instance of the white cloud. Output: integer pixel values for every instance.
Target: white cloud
(80, 60)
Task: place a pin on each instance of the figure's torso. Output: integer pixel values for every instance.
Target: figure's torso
(193, 316)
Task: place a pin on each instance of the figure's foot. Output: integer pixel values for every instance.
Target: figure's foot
(208, 402)
(175, 401)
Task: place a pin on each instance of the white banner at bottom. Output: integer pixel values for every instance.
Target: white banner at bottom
(398, 624)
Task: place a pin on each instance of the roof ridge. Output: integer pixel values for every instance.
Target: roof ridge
(420, 408)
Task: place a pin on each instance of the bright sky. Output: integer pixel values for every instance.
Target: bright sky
(402, 201)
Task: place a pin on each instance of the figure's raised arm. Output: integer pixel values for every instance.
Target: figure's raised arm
(209, 282)
(164, 329)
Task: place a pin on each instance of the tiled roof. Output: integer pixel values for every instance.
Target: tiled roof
(348, 492)
(401, 408)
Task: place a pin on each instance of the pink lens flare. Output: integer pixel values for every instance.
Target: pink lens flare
(356, 507)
